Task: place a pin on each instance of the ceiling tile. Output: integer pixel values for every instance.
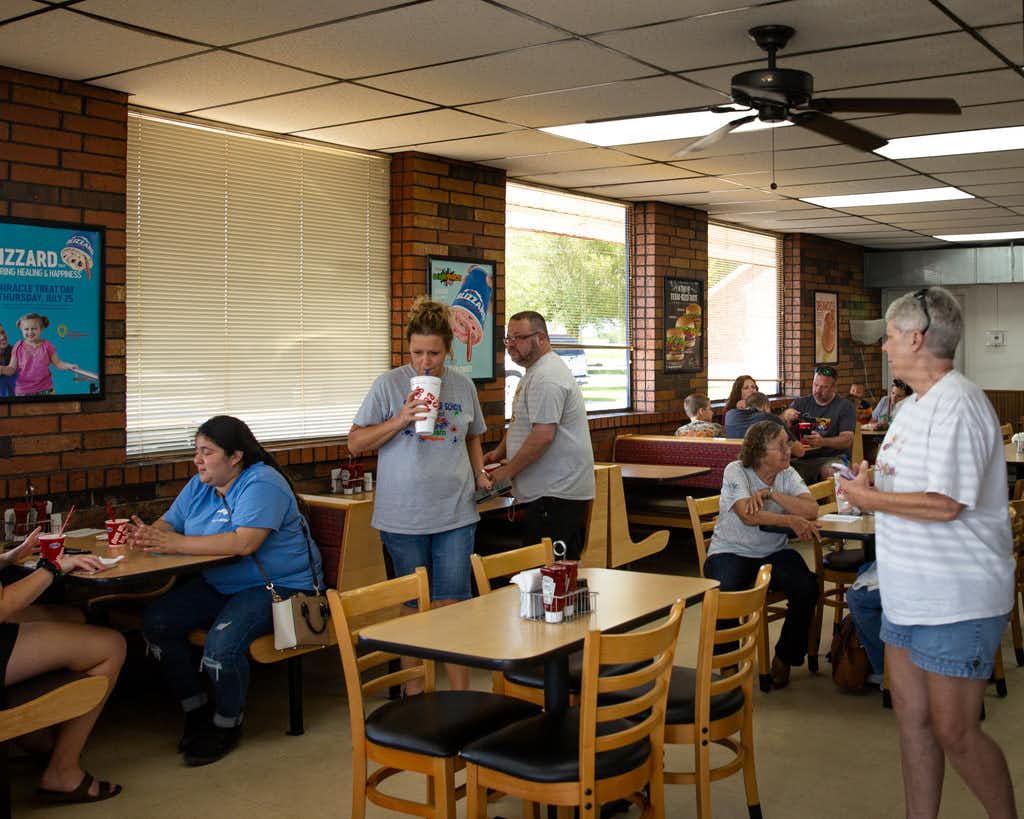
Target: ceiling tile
(754, 141)
(1008, 201)
(780, 206)
(575, 160)
(819, 24)
(227, 21)
(784, 159)
(983, 177)
(1006, 40)
(603, 15)
(975, 88)
(876, 211)
(435, 32)
(1006, 189)
(975, 117)
(900, 183)
(967, 162)
(213, 78)
(497, 146)
(723, 197)
(609, 176)
(69, 45)
(15, 8)
(834, 173)
(410, 129)
(666, 187)
(616, 99)
(529, 71)
(334, 104)
(983, 12)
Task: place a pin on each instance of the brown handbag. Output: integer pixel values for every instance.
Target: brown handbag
(850, 663)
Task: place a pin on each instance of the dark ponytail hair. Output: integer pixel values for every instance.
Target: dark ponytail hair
(233, 435)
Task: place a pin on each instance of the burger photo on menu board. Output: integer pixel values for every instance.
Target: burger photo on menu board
(675, 345)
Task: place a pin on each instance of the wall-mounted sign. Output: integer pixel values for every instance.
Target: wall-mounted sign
(684, 325)
(826, 327)
(467, 286)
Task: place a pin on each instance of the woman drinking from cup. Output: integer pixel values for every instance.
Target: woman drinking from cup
(32, 644)
(240, 503)
(424, 506)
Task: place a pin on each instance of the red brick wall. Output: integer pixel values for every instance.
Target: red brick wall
(812, 263)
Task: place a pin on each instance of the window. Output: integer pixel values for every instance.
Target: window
(744, 272)
(257, 283)
(565, 257)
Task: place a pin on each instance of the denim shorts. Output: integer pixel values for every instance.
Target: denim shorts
(445, 556)
(965, 649)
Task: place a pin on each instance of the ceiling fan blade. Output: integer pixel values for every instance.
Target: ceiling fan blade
(838, 130)
(885, 105)
(713, 137)
(715, 109)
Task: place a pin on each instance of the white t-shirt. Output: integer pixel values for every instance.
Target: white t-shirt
(947, 442)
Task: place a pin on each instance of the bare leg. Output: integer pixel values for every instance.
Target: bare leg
(955, 708)
(47, 646)
(921, 755)
(52, 614)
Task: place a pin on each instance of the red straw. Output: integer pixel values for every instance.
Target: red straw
(110, 511)
(67, 520)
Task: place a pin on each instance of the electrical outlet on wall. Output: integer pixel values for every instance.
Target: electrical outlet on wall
(995, 338)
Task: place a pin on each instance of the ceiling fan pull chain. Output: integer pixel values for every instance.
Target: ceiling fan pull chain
(773, 186)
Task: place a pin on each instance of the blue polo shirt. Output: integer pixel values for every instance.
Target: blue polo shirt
(259, 498)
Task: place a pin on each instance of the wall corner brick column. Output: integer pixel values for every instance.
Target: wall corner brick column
(665, 240)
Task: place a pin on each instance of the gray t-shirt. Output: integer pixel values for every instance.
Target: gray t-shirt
(548, 394)
(835, 417)
(424, 484)
(731, 534)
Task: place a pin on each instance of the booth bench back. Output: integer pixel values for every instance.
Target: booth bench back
(715, 453)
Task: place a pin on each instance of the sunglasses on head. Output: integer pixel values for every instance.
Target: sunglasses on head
(922, 298)
(830, 372)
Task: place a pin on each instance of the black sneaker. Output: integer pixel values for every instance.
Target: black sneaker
(212, 744)
(195, 721)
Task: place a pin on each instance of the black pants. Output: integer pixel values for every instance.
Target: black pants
(558, 519)
(790, 576)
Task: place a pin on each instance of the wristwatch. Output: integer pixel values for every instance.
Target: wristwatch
(53, 568)
(771, 491)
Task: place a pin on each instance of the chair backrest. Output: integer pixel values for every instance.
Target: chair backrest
(703, 516)
(1017, 525)
(1007, 431)
(857, 447)
(655, 648)
(736, 667)
(505, 564)
(355, 609)
(824, 494)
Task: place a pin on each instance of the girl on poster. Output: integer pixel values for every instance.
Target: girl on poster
(32, 357)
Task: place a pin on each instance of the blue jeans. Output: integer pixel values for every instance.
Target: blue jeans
(445, 555)
(866, 609)
(233, 620)
(790, 576)
(966, 648)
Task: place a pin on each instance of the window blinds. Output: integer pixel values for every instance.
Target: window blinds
(257, 284)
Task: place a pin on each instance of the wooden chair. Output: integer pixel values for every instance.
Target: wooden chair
(1017, 526)
(857, 448)
(703, 515)
(40, 702)
(714, 701)
(422, 734)
(594, 753)
(621, 547)
(1007, 432)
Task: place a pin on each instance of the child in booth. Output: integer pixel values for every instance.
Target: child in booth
(32, 357)
(6, 381)
(698, 408)
(739, 420)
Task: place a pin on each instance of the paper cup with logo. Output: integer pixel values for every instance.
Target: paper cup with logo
(469, 308)
(51, 547)
(117, 532)
(427, 390)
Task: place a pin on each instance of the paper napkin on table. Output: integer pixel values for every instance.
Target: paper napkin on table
(834, 518)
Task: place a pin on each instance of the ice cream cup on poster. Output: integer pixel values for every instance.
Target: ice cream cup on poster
(469, 308)
(427, 389)
(78, 253)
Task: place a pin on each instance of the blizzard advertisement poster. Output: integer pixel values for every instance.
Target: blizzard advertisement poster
(51, 286)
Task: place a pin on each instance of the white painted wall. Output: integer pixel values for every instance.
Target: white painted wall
(986, 307)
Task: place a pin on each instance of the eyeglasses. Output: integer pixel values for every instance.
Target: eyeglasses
(517, 339)
(830, 372)
(922, 299)
(781, 446)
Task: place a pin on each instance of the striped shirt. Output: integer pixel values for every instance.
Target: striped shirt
(947, 442)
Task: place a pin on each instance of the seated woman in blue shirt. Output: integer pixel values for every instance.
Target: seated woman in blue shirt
(239, 503)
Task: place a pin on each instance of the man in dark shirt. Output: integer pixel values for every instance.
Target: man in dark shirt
(834, 420)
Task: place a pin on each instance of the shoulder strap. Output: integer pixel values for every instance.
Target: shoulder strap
(309, 554)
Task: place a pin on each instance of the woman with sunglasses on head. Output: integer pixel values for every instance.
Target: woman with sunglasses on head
(424, 506)
(945, 557)
(239, 503)
(885, 410)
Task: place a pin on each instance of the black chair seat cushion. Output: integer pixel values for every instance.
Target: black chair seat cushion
(848, 560)
(440, 723)
(682, 691)
(533, 675)
(545, 748)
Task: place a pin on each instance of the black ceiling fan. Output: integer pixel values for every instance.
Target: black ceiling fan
(785, 94)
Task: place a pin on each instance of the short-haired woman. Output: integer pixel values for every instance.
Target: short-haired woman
(762, 489)
(945, 556)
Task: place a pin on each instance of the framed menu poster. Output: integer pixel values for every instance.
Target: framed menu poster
(466, 286)
(683, 333)
(826, 327)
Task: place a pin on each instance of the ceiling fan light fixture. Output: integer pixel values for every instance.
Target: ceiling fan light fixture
(954, 143)
(983, 237)
(653, 129)
(866, 200)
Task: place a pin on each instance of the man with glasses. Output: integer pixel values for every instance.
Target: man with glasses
(834, 419)
(547, 443)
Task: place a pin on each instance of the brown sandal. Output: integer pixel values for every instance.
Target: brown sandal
(105, 790)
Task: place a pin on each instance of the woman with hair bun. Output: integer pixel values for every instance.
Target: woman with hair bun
(239, 503)
(424, 505)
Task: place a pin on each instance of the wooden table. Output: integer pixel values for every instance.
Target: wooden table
(1012, 455)
(863, 529)
(487, 632)
(660, 472)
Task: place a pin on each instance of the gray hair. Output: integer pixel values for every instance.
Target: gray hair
(914, 310)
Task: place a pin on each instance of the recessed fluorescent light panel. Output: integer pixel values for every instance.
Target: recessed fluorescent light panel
(864, 200)
(958, 142)
(655, 129)
(983, 237)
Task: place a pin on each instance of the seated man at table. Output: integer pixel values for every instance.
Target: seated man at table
(738, 421)
(834, 420)
(698, 409)
(762, 489)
